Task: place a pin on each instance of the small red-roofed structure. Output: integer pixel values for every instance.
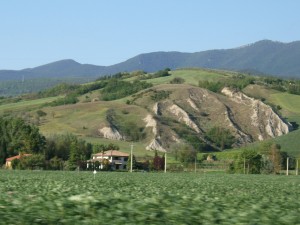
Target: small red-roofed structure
(10, 159)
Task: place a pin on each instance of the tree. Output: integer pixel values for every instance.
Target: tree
(275, 158)
(16, 136)
(187, 154)
(221, 137)
(128, 165)
(56, 163)
(36, 161)
(248, 161)
(158, 162)
(75, 155)
(272, 157)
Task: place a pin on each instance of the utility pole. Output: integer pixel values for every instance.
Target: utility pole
(131, 158)
(165, 162)
(287, 166)
(297, 167)
(196, 163)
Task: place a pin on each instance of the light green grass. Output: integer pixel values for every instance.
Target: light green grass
(290, 143)
(85, 119)
(191, 76)
(29, 104)
(289, 103)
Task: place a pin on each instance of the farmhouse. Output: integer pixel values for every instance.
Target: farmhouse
(116, 159)
(9, 160)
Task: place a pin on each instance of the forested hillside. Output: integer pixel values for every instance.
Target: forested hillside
(263, 57)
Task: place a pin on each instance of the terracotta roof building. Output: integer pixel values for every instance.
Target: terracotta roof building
(10, 159)
(117, 159)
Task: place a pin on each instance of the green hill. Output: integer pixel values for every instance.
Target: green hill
(127, 114)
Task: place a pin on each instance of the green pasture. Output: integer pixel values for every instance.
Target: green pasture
(191, 76)
(290, 104)
(26, 104)
(39, 197)
(85, 118)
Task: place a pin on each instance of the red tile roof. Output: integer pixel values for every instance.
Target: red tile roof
(17, 157)
(112, 153)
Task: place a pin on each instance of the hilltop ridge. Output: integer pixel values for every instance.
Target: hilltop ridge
(262, 57)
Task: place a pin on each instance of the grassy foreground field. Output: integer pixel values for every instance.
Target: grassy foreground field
(37, 197)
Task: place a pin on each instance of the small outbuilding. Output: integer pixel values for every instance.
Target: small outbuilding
(10, 159)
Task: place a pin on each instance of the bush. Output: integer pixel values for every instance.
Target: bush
(177, 80)
(41, 113)
(221, 137)
(212, 86)
(116, 89)
(160, 95)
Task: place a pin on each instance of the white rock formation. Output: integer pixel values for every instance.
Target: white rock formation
(272, 126)
(182, 115)
(110, 133)
(155, 145)
(155, 108)
(192, 104)
(151, 122)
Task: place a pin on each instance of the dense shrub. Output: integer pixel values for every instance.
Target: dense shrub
(160, 95)
(221, 137)
(212, 86)
(116, 89)
(177, 80)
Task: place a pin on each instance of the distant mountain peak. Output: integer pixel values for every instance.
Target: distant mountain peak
(266, 56)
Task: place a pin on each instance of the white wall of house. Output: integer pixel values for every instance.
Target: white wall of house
(118, 162)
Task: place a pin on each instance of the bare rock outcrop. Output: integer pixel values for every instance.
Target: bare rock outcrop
(262, 117)
(155, 145)
(111, 133)
(182, 116)
(151, 122)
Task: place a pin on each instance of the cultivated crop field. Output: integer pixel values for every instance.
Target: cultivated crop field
(37, 197)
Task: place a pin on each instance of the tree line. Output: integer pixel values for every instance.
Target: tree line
(267, 158)
(55, 152)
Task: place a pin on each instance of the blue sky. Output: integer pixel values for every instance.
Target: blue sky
(105, 32)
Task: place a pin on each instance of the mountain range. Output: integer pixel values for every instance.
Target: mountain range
(262, 57)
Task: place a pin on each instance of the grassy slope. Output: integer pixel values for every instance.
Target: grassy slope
(191, 76)
(84, 120)
(24, 105)
(291, 110)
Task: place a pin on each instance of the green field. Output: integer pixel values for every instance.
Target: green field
(191, 76)
(37, 197)
(23, 105)
(290, 104)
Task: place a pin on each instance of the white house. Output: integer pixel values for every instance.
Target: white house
(116, 159)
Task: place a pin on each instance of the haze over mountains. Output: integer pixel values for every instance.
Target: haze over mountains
(262, 57)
